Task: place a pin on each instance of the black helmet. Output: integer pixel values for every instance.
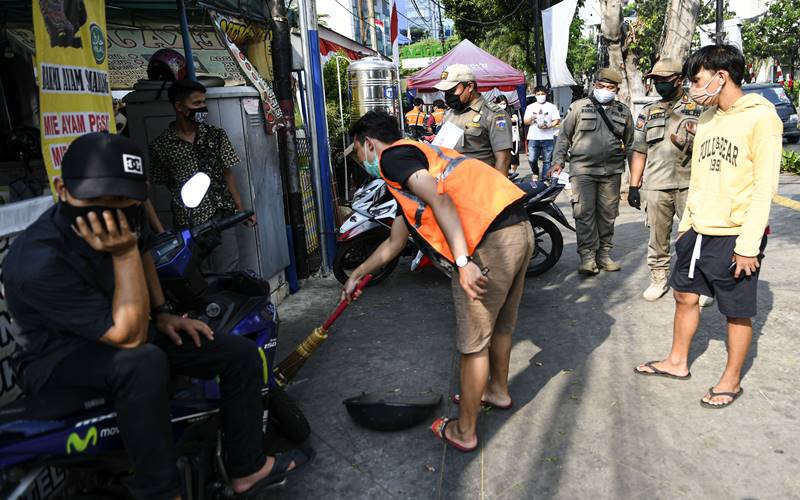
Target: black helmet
(391, 411)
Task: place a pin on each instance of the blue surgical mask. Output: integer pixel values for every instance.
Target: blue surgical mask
(373, 167)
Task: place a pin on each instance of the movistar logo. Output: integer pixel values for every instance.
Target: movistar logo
(79, 444)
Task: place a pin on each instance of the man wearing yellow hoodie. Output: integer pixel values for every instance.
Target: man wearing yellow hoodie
(722, 234)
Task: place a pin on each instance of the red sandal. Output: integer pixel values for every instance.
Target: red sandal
(438, 427)
(456, 399)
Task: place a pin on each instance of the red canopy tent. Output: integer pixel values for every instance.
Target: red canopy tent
(490, 72)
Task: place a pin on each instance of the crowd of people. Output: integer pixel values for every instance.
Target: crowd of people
(91, 312)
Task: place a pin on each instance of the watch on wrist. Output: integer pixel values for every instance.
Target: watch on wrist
(463, 260)
(165, 308)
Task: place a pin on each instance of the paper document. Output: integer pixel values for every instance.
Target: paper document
(448, 136)
(563, 178)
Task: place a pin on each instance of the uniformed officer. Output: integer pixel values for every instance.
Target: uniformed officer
(662, 151)
(486, 126)
(597, 134)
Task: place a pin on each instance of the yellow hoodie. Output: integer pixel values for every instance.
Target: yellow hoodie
(736, 161)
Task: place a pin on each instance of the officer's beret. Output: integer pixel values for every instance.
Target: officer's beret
(609, 75)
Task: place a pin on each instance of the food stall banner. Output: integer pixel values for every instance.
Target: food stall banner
(72, 75)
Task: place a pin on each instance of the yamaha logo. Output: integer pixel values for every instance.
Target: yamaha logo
(132, 164)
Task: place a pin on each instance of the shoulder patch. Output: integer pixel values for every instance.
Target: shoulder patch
(500, 121)
(640, 122)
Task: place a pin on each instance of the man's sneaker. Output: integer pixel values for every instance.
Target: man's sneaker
(658, 285)
(706, 301)
(588, 265)
(606, 263)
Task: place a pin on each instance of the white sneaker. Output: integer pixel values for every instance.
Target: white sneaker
(706, 301)
(658, 285)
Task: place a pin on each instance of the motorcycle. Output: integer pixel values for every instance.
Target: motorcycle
(71, 438)
(374, 210)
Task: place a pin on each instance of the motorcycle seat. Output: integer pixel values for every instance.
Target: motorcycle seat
(51, 405)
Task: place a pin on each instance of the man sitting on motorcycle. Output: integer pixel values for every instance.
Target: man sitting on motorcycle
(470, 214)
(92, 315)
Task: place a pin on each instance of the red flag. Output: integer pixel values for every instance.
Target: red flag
(393, 30)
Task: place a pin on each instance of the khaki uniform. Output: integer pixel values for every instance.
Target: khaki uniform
(596, 162)
(666, 174)
(487, 129)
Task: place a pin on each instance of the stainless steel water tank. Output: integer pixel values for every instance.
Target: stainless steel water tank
(373, 85)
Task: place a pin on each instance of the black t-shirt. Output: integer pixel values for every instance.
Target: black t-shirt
(59, 293)
(400, 162)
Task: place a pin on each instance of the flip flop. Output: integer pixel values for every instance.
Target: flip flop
(280, 471)
(438, 427)
(456, 399)
(660, 373)
(733, 395)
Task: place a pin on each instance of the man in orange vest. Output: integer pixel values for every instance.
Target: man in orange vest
(416, 118)
(470, 214)
(436, 117)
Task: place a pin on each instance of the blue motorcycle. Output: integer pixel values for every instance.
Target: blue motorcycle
(69, 440)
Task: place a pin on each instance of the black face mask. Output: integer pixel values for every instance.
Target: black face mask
(134, 214)
(667, 90)
(454, 102)
(198, 115)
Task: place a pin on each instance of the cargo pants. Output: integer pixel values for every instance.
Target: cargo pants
(595, 207)
(660, 207)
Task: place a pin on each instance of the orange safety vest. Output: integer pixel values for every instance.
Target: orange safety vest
(438, 116)
(415, 117)
(478, 191)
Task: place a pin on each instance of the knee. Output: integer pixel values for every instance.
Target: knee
(686, 299)
(145, 366)
(242, 356)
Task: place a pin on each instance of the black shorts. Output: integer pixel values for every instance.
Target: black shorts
(712, 275)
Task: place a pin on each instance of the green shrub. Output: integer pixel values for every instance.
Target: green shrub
(790, 162)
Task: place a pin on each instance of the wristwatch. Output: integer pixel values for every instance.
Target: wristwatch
(165, 308)
(463, 260)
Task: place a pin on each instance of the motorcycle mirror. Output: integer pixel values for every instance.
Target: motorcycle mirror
(195, 189)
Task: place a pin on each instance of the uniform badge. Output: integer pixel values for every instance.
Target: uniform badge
(473, 125)
(500, 122)
(640, 122)
(444, 75)
(691, 106)
(476, 118)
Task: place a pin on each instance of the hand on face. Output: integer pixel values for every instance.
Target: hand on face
(108, 235)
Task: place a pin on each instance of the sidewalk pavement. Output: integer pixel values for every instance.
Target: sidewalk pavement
(583, 424)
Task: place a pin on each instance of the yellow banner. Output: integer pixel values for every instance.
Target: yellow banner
(72, 74)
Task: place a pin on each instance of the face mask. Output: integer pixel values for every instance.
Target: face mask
(502, 105)
(373, 167)
(134, 214)
(604, 96)
(454, 102)
(703, 98)
(198, 115)
(541, 99)
(667, 90)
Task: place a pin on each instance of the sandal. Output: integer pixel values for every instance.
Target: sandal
(438, 427)
(280, 471)
(660, 373)
(733, 395)
(456, 399)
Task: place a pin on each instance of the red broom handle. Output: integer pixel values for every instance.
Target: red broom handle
(343, 304)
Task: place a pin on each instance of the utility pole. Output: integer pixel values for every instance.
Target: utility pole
(287, 147)
(361, 22)
(441, 26)
(536, 45)
(321, 165)
(373, 35)
(720, 31)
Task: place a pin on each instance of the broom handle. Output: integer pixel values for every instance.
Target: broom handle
(343, 304)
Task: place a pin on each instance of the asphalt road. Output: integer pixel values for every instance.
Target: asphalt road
(583, 425)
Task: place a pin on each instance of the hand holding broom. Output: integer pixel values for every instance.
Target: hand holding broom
(288, 368)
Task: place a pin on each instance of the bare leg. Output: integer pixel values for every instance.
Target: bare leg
(242, 484)
(499, 358)
(474, 375)
(740, 335)
(687, 318)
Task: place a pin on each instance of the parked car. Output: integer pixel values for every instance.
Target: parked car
(775, 94)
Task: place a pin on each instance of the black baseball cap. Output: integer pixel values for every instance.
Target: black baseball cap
(102, 164)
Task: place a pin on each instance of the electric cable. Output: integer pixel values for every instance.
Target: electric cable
(482, 23)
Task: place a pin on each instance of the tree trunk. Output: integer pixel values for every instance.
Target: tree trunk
(619, 58)
(679, 27)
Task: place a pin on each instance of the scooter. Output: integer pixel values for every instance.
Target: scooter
(70, 439)
(541, 199)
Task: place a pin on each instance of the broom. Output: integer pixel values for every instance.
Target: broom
(291, 364)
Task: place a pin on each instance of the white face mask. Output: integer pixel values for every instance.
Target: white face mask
(541, 99)
(604, 96)
(703, 97)
(502, 105)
